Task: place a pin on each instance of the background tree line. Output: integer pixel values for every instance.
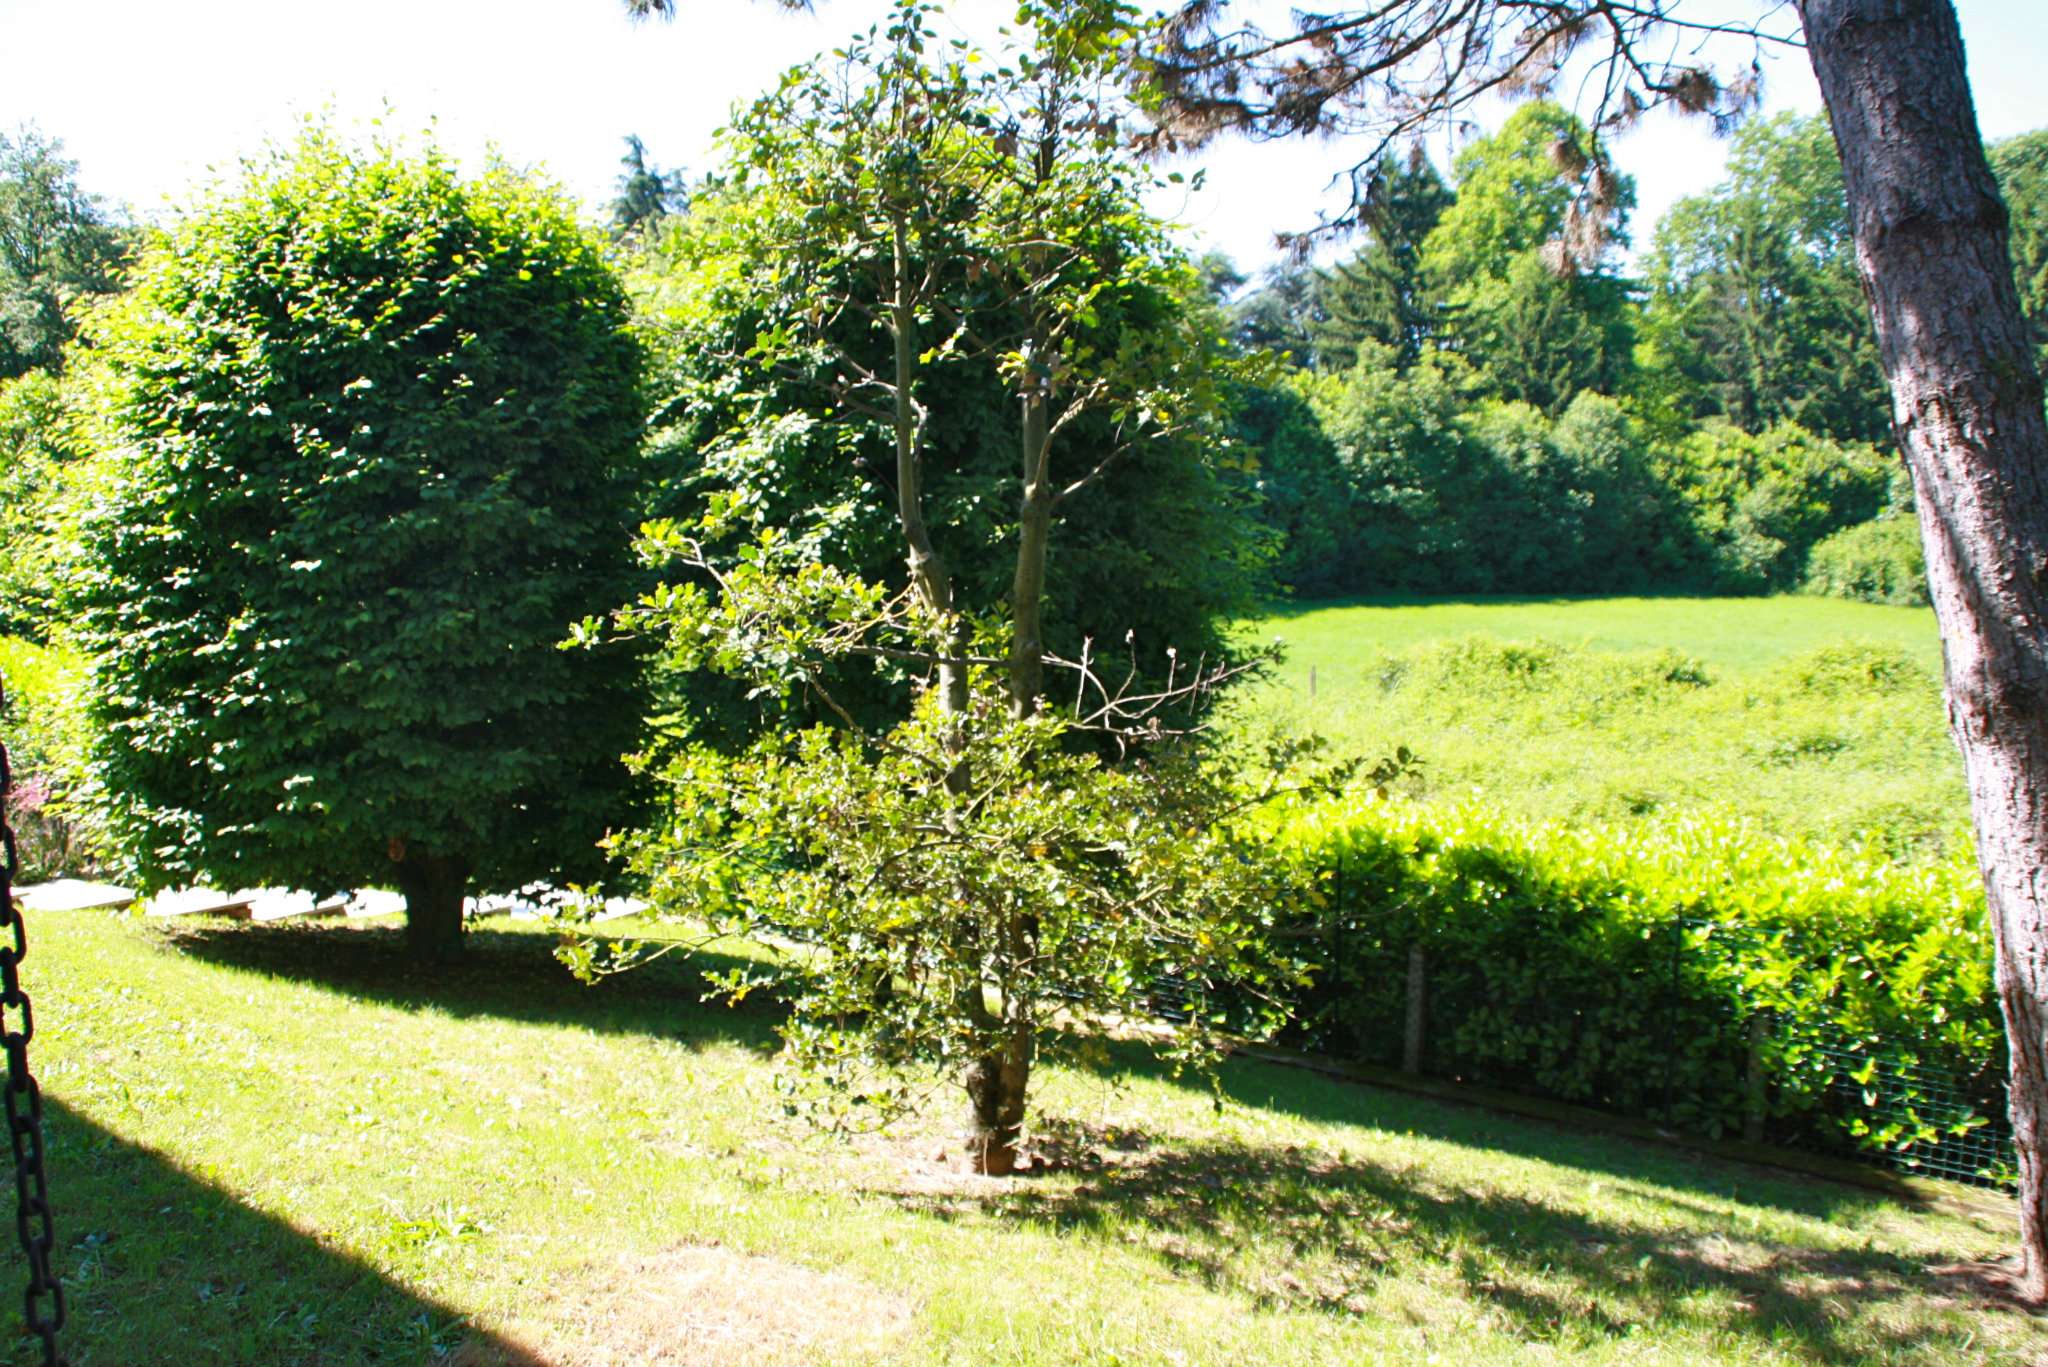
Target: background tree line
(1466, 412)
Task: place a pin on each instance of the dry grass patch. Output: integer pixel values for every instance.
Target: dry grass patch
(705, 1306)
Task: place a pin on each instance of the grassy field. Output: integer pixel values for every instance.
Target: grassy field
(277, 1145)
(1808, 716)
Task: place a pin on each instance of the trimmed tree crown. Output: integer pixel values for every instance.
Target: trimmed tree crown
(367, 433)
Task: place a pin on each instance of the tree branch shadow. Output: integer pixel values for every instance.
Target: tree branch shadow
(1292, 1229)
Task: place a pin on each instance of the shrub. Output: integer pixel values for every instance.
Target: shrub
(1619, 967)
(41, 726)
(38, 450)
(1760, 503)
(1880, 561)
(369, 438)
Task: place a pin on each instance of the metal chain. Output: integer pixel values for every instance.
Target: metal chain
(24, 1099)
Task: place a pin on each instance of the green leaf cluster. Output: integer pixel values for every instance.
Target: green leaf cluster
(59, 247)
(766, 310)
(933, 923)
(1619, 966)
(366, 450)
(41, 446)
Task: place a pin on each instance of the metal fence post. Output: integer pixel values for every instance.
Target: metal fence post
(1671, 1022)
(1753, 1092)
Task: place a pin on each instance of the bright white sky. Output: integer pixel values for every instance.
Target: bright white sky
(147, 96)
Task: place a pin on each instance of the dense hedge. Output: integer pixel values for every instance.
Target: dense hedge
(1619, 967)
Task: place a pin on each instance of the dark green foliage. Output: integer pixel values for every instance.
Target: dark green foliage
(1619, 968)
(1382, 483)
(369, 427)
(1413, 488)
(1760, 503)
(2021, 165)
(1381, 294)
(647, 194)
(1754, 312)
(57, 243)
(1414, 477)
(1541, 337)
(1304, 498)
(1161, 548)
(1283, 315)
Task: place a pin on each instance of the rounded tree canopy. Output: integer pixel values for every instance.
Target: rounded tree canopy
(368, 428)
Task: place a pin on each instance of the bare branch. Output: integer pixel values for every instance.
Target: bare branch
(1400, 69)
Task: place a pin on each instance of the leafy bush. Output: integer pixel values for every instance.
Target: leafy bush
(370, 428)
(38, 448)
(1619, 967)
(962, 875)
(41, 726)
(1419, 490)
(1880, 561)
(1854, 669)
(1760, 503)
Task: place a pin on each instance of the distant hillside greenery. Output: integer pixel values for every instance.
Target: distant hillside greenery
(1806, 718)
(1467, 409)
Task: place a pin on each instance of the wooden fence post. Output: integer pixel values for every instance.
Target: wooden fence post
(1418, 1004)
(1753, 1098)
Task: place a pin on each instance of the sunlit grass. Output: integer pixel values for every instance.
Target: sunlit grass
(280, 1145)
(1562, 709)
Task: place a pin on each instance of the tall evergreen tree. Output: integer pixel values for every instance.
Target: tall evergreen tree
(1528, 298)
(1754, 313)
(1283, 315)
(647, 194)
(1382, 295)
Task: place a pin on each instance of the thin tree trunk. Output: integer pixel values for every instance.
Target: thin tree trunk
(927, 571)
(1931, 247)
(1034, 538)
(433, 886)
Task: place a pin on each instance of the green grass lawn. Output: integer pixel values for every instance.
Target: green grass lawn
(1807, 716)
(277, 1145)
(1739, 634)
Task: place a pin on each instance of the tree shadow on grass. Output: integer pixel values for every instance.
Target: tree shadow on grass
(1293, 1229)
(1653, 1171)
(1628, 1234)
(509, 974)
(160, 1266)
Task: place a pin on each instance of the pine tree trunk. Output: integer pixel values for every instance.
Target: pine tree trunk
(1931, 247)
(433, 886)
